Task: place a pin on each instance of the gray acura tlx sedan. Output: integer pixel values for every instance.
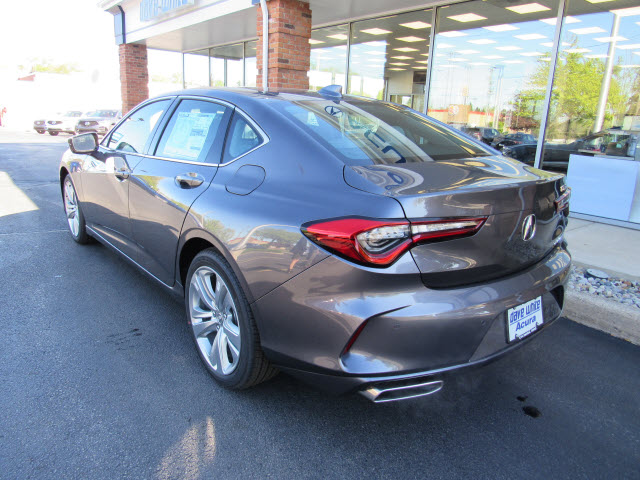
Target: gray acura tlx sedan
(356, 244)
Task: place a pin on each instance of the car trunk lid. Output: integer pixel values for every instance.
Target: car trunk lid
(505, 192)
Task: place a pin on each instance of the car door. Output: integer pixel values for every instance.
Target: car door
(166, 183)
(105, 175)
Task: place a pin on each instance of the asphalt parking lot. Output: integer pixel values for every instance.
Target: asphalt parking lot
(99, 379)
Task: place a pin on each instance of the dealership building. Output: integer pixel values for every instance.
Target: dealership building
(565, 73)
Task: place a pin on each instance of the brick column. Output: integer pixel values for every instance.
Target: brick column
(134, 76)
(289, 49)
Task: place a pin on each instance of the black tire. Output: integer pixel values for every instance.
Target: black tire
(80, 236)
(40, 131)
(252, 367)
(53, 134)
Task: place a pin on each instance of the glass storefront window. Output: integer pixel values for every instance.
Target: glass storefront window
(488, 77)
(196, 69)
(250, 67)
(235, 67)
(595, 97)
(227, 65)
(594, 120)
(388, 58)
(217, 71)
(328, 57)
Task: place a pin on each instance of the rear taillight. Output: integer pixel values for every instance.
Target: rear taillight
(380, 242)
(562, 202)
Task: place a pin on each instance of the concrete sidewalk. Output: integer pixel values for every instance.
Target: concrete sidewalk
(616, 251)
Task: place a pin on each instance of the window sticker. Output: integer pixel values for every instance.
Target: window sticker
(189, 134)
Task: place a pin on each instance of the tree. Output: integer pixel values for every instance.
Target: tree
(47, 66)
(576, 89)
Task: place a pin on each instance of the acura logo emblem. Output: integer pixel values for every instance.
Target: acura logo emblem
(529, 228)
(333, 111)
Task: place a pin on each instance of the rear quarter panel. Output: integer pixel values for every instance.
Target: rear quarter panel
(260, 231)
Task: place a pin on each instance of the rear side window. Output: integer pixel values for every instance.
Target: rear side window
(363, 132)
(132, 135)
(194, 127)
(242, 138)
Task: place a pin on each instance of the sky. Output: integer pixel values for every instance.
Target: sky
(74, 32)
(63, 31)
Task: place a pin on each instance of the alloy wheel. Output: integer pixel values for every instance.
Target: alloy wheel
(214, 320)
(71, 207)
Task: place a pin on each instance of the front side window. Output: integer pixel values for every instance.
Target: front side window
(194, 127)
(132, 135)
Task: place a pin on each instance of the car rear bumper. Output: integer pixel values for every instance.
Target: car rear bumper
(341, 384)
(397, 328)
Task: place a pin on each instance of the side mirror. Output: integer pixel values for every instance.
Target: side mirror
(85, 143)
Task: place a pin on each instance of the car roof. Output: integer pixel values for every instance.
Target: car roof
(249, 95)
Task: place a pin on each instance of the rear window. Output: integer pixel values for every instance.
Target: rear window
(366, 132)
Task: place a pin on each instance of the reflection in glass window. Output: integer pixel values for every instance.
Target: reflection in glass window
(132, 135)
(595, 104)
(490, 68)
(241, 139)
(196, 69)
(328, 56)
(389, 56)
(192, 130)
(362, 132)
(250, 67)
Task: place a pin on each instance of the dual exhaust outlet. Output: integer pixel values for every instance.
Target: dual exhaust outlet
(402, 390)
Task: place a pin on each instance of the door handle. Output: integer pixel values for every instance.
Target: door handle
(189, 180)
(122, 173)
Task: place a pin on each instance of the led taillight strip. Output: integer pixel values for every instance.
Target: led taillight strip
(340, 236)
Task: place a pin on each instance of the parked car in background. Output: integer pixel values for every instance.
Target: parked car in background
(63, 122)
(40, 125)
(484, 134)
(512, 139)
(354, 243)
(99, 121)
(613, 141)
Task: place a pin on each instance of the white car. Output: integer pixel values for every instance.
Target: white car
(99, 121)
(63, 122)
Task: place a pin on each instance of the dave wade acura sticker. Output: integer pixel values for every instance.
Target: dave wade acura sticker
(524, 319)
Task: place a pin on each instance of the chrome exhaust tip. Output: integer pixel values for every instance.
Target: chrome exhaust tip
(392, 392)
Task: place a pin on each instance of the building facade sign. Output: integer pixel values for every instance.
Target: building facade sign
(152, 9)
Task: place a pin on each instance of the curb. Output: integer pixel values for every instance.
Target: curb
(618, 320)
